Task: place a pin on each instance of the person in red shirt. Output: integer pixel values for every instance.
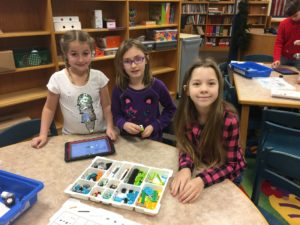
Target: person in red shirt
(287, 43)
(207, 134)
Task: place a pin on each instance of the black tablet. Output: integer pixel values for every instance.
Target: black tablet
(88, 148)
(285, 71)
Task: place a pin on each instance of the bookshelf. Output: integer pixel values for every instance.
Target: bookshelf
(211, 19)
(258, 13)
(29, 23)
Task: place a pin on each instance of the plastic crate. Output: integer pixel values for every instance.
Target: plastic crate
(250, 69)
(31, 57)
(25, 191)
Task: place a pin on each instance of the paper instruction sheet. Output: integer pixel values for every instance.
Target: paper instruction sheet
(274, 83)
(73, 212)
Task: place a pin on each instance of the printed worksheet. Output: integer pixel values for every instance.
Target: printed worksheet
(274, 83)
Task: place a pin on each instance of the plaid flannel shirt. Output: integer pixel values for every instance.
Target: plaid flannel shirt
(235, 162)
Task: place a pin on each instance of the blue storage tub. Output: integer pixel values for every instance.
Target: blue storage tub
(250, 69)
(25, 191)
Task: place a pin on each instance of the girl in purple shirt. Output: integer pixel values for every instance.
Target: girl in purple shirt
(207, 133)
(137, 97)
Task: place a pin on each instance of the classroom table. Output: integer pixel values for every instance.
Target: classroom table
(223, 203)
(251, 93)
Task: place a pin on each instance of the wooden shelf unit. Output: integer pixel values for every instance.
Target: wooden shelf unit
(258, 12)
(28, 24)
(211, 19)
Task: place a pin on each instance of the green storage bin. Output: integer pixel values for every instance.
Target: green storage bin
(31, 57)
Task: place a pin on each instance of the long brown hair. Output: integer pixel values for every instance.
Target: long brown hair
(122, 78)
(211, 149)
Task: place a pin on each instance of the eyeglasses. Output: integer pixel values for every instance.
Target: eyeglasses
(136, 60)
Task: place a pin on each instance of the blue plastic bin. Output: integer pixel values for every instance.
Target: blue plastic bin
(250, 69)
(25, 191)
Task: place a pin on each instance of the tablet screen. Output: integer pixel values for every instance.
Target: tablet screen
(88, 148)
(285, 71)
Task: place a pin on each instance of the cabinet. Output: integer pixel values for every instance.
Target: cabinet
(28, 24)
(258, 13)
(211, 19)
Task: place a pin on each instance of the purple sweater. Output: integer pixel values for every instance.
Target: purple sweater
(142, 107)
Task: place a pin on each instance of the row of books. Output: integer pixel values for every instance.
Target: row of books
(194, 8)
(162, 13)
(228, 9)
(196, 20)
(217, 30)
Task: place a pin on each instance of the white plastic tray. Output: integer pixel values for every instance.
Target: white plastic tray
(117, 185)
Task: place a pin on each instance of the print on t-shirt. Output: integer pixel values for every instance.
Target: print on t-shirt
(85, 106)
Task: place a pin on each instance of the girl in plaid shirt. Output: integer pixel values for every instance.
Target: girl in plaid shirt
(207, 132)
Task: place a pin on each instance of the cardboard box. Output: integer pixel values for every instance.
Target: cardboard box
(7, 62)
(65, 19)
(64, 26)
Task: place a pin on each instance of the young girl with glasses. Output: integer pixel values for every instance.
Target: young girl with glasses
(82, 92)
(207, 134)
(137, 95)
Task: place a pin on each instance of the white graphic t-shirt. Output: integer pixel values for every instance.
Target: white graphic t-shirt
(80, 105)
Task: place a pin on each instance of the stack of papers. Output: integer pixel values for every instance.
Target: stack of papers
(73, 212)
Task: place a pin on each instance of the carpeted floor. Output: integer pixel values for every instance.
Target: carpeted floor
(278, 206)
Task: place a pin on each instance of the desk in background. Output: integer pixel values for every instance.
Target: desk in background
(223, 203)
(251, 93)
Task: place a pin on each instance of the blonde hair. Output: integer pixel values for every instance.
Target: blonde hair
(122, 78)
(75, 35)
(211, 150)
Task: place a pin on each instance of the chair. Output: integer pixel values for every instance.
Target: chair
(169, 135)
(278, 167)
(258, 58)
(229, 93)
(278, 158)
(223, 68)
(280, 130)
(23, 131)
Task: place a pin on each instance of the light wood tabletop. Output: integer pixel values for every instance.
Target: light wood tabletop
(252, 93)
(223, 203)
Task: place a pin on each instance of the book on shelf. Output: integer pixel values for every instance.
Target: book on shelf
(162, 13)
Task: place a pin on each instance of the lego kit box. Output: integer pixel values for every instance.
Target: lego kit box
(7, 62)
(24, 191)
(163, 35)
(122, 184)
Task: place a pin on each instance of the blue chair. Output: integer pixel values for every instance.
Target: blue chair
(280, 130)
(258, 58)
(279, 168)
(278, 158)
(23, 131)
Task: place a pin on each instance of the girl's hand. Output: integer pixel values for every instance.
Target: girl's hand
(180, 181)
(147, 132)
(297, 42)
(191, 191)
(39, 142)
(275, 64)
(111, 133)
(132, 128)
